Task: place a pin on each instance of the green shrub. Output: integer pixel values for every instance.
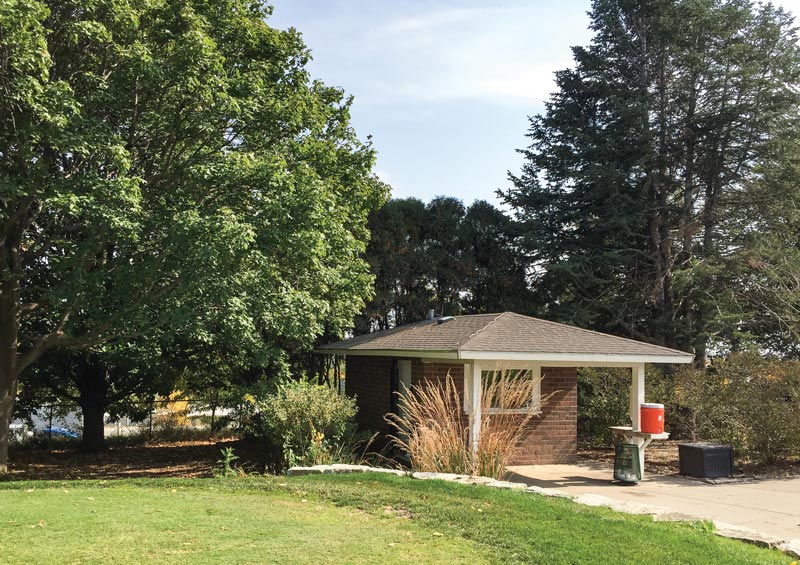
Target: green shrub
(604, 400)
(747, 400)
(311, 424)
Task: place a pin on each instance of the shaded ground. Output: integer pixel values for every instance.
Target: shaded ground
(661, 458)
(198, 459)
(165, 459)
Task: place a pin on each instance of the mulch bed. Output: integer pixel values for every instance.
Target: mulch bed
(661, 458)
(199, 458)
(155, 459)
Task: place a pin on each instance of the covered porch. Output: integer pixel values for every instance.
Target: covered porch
(474, 384)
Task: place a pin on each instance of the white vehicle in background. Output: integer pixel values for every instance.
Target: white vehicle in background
(20, 432)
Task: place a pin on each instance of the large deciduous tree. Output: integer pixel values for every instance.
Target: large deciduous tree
(170, 165)
(650, 189)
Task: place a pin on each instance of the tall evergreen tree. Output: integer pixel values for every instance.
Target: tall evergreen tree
(497, 281)
(448, 256)
(445, 257)
(639, 186)
(396, 254)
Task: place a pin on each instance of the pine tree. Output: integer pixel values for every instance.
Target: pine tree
(636, 197)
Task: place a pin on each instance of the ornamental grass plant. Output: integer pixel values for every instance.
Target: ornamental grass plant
(432, 428)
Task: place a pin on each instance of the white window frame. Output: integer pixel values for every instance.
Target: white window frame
(536, 394)
(404, 380)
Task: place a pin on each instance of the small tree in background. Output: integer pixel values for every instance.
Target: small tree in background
(604, 400)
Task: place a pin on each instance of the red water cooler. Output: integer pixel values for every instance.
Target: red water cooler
(652, 416)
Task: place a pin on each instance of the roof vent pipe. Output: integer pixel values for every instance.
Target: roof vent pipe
(444, 319)
(431, 314)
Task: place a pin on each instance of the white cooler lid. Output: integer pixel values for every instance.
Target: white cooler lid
(652, 405)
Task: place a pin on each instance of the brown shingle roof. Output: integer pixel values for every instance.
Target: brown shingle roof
(507, 332)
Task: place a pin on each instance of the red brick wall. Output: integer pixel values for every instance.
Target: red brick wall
(432, 373)
(369, 380)
(552, 437)
(423, 373)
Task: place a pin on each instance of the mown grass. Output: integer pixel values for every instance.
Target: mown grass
(333, 519)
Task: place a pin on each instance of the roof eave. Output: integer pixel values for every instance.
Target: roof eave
(550, 359)
(578, 359)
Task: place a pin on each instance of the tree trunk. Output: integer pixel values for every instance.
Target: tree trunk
(93, 438)
(9, 327)
(6, 410)
(93, 401)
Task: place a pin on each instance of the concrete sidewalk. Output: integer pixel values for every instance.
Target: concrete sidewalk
(771, 507)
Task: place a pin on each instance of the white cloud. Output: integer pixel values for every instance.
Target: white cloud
(501, 55)
(435, 19)
(415, 52)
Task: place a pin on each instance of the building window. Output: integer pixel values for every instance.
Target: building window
(506, 399)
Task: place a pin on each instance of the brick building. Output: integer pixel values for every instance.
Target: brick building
(469, 348)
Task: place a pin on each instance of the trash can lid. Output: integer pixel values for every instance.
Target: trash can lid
(652, 405)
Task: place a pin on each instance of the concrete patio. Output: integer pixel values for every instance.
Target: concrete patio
(771, 507)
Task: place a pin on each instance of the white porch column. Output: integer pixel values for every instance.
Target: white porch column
(637, 398)
(475, 389)
(637, 395)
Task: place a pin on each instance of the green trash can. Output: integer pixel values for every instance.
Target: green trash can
(626, 463)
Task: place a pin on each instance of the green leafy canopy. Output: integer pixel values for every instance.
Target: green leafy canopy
(169, 168)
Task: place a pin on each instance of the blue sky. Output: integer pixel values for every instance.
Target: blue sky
(443, 86)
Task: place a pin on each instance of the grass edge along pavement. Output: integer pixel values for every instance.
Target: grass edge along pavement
(324, 518)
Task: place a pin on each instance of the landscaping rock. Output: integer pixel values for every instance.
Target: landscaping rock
(507, 484)
(671, 516)
(746, 534)
(425, 475)
(299, 471)
(343, 468)
(474, 480)
(791, 548)
(398, 472)
(548, 492)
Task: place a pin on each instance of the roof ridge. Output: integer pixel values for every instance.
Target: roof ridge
(552, 323)
(476, 332)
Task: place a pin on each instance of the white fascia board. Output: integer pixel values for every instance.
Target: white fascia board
(414, 354)
(576, 359)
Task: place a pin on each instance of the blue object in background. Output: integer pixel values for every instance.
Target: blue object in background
(63, 432)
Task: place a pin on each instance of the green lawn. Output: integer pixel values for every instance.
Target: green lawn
(326, 519)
